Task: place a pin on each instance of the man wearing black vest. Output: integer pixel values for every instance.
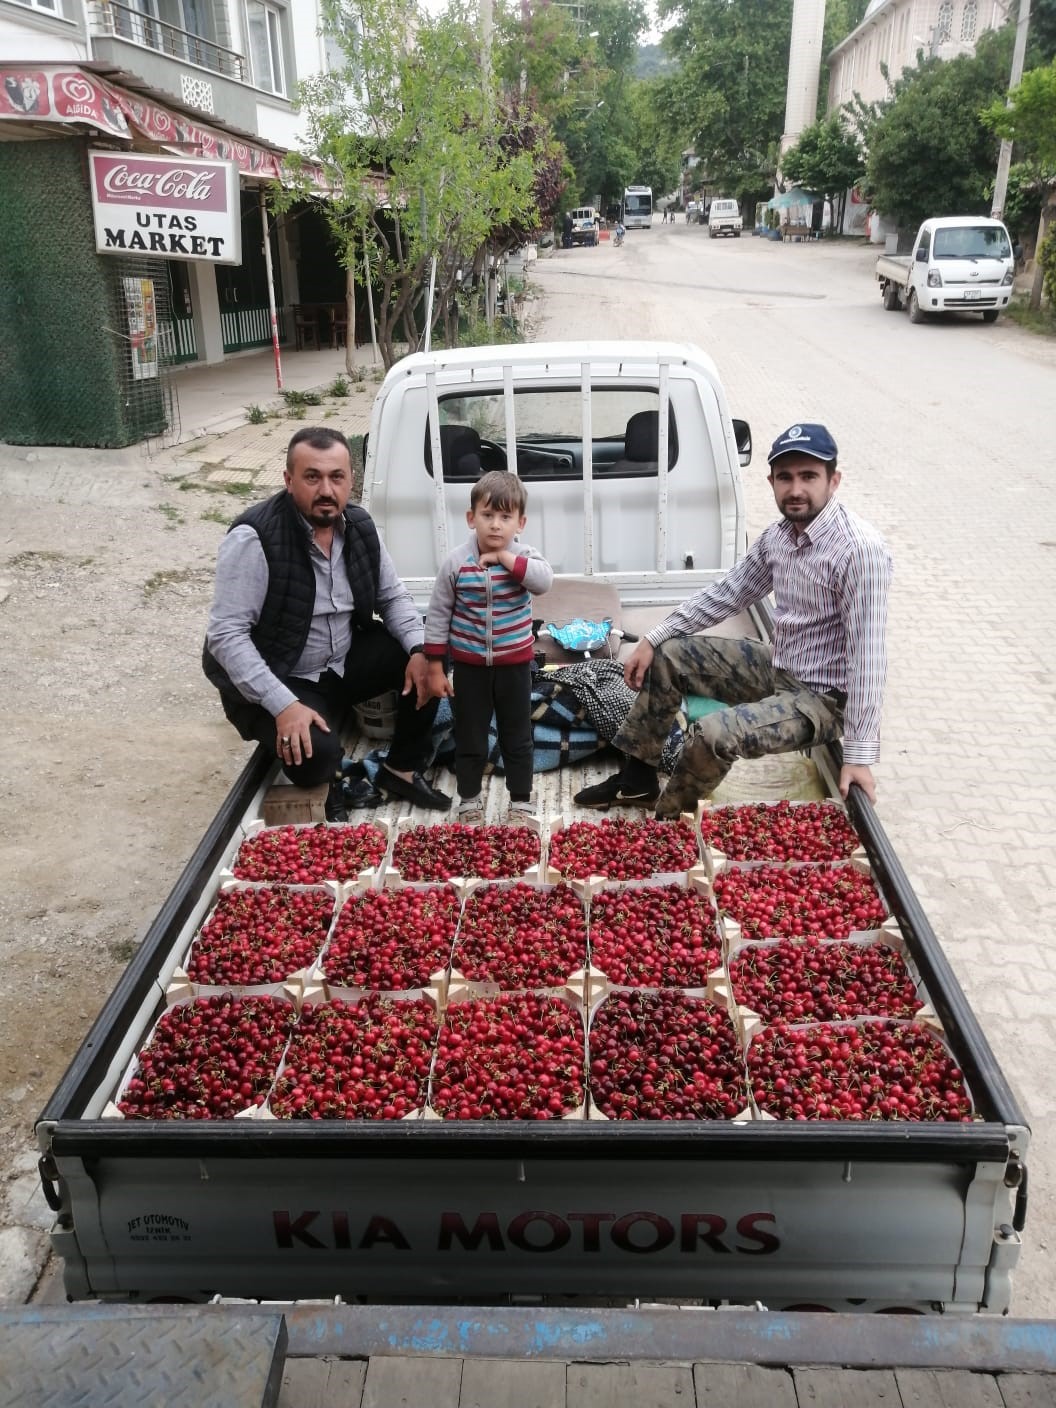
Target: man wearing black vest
(293, 641)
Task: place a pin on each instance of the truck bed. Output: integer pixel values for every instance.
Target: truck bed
(872, 1216)
(895, 267)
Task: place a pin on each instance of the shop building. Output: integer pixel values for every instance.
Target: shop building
(196, 94)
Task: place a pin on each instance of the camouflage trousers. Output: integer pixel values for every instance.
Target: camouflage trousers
(769, 711)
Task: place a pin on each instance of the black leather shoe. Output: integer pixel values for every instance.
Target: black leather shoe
(417, 791)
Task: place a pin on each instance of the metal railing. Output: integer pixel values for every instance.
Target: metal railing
(176, 340)
(127, 22)
(248, 327)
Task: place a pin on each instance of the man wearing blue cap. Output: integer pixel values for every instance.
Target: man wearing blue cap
(829, 573)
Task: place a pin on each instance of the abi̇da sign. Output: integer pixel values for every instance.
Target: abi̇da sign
(167, 206)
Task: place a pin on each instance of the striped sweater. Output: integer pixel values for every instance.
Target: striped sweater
(483, 615)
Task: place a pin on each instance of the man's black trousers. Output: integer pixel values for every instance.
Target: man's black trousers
(376, 662)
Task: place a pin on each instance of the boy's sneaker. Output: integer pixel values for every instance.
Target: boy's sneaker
(522, 811)
(470, 811)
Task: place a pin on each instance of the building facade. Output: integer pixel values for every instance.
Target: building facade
(184, 80)
(894, 32)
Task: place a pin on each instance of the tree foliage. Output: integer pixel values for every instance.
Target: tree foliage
(423, 159)
(728, 93)
(1029, 117)
(827, 159)
(930, 152)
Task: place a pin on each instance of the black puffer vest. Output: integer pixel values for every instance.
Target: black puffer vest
(286, 614)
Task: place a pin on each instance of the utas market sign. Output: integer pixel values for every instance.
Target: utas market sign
(167, 206)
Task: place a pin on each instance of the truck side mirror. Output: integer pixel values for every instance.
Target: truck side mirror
(921, 255)
(742, 433)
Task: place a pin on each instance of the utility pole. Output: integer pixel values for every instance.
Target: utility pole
(1004, 160)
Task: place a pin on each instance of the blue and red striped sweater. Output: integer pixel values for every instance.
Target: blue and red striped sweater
(483, 615)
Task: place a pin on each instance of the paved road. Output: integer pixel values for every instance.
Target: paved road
(945, 435)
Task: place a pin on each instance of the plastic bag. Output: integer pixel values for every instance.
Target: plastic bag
(580, 634)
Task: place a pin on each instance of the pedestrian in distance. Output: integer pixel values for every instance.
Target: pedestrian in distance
(663, 220)
(829, 572)
(480, 616)
(294, 638)
(566, 230)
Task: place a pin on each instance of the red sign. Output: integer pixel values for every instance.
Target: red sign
(162, 183)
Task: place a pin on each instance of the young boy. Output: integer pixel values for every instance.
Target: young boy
(480, 613)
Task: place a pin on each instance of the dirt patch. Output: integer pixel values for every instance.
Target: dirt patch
(115, 754)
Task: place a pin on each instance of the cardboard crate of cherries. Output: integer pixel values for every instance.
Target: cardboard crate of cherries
(464, 991)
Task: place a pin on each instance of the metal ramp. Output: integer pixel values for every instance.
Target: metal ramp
(124, 1357)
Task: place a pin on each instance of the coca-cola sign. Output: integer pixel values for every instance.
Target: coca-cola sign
(166, 205)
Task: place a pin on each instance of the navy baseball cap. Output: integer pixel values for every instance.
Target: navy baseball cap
(803, 439)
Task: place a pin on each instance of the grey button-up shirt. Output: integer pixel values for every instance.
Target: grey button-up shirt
(241, 586)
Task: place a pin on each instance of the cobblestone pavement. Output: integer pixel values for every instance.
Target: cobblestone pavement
(945, 435)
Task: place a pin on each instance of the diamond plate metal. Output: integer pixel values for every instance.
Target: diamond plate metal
(188, 1359)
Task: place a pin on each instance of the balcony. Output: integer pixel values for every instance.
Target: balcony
(109, 17)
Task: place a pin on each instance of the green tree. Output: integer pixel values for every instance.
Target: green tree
(728, 93)
(1028, 118)
(657, 148)
(828, 160)
(929, 151)
(422, 159)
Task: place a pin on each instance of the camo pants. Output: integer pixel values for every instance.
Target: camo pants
(770, 711)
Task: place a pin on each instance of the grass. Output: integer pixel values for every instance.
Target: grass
(1038, 320)
(46, 558)
(172, 577)
(123, 950)
(215, 515)
(240, 491)
(256, 415)
(297, 400)
(172, 513)
(338, 387)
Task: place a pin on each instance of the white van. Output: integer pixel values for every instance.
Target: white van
(724, 218)
(586, 225)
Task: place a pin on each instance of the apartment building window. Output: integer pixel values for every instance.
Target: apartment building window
(969, 19)
(53, 7)
(264, 28)
(944, 24)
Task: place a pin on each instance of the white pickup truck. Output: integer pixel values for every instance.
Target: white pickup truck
(960, 263)
(631, 460)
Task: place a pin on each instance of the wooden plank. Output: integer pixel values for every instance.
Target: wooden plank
(644, 1385)
(1028, 1390)
(512, 1383)
(743, 1386)
(947, 1388)
(407, 1382)
(322, 1383)
(841, 1388)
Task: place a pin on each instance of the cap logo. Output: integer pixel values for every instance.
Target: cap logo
(796, 433)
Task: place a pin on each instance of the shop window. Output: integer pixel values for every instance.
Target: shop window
(264, 31)
(969, 20)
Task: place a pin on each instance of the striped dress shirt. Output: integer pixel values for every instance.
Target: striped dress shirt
(830, 584)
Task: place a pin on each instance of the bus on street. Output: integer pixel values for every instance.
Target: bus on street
(638, 207)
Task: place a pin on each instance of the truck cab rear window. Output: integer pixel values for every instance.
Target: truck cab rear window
(549, 430)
